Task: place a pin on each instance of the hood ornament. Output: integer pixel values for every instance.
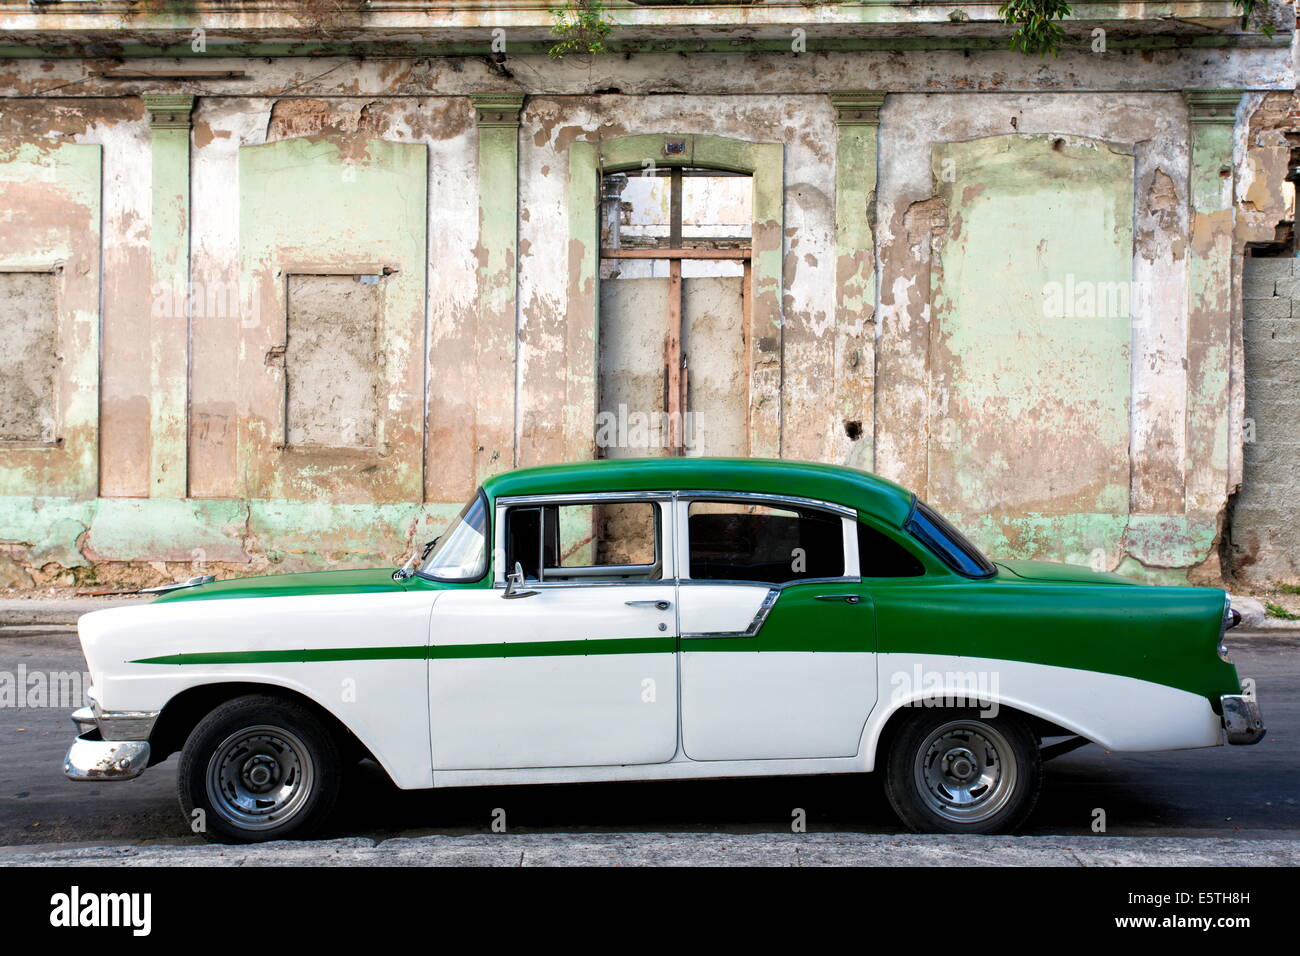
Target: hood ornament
(191, 583)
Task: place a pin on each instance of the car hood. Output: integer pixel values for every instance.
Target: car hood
(289, 585)
(1054, 573)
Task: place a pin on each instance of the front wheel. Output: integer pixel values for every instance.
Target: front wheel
(259, 768)
(955, 771)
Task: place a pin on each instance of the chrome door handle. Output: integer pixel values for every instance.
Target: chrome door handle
(657, 605)
(846, 598)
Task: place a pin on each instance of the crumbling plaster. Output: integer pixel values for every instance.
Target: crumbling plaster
(1155, 128)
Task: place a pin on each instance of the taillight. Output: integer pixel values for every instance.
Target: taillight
(1231, 619)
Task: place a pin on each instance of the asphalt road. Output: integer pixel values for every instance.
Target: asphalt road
(1243, 792)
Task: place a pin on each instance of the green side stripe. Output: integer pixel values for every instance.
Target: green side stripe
(636, 645)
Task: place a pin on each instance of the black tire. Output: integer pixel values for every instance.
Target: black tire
(259, 768)
(954, 771)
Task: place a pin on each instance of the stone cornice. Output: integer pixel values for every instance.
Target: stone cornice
(497, 109)
(857, 107)
(168, 110)
(1213, 106)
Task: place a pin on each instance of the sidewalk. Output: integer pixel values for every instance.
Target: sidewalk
(687, 849)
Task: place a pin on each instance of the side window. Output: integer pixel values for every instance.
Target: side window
(524, 541)
(737, 541)
(880, 556)
(596, 541)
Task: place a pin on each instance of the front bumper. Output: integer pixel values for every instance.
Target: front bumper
(1242, 721)
(90, 758)
(125, 757)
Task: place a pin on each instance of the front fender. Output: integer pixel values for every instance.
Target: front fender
(360, 657)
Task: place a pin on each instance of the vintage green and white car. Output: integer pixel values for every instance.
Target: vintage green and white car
(658, 619)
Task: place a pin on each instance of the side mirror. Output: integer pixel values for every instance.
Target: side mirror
(515, 583)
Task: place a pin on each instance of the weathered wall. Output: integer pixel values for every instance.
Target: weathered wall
(1029, 393)
(1047, 243)
(1264, 543)
(50, 207)
(393, 293)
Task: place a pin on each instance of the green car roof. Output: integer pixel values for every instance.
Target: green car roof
(834, 483)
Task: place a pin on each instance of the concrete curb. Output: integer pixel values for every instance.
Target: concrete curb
(1255, 617)
(55, 612)
(687, 849)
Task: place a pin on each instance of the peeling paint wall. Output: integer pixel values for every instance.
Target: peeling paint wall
(1160, 530)
(50, 208)
(1029, 330)
(393, 291)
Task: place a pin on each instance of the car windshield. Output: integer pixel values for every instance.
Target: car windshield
(933, 530)
(460, 552)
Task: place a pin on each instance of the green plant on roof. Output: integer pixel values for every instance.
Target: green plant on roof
(580, 27)
(1035, 21)
(1038, 30)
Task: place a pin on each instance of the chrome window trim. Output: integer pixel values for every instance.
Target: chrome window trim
(755, 625)
(551, 585)
(849, 538)
(766, 585)
(663, 521)
(582, 498)
(762, 497)
(579, 571)
(698, 582)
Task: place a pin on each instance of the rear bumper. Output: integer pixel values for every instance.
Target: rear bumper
(93, 759)
(1242, 721)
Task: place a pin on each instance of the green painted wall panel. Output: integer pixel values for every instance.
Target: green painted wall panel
(1030, 368)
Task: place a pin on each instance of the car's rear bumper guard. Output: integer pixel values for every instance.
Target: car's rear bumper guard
(1241, 719)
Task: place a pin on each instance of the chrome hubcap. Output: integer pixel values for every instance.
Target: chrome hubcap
(260, 777)
(965, 771)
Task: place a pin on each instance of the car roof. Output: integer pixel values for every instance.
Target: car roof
(838, 484)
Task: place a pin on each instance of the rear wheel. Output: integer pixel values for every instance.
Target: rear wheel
(259, 768)
(955, 771)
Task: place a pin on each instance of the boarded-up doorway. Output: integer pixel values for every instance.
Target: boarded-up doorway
(673, 328)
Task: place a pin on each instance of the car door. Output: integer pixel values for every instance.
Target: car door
(778, 653)
(576, 667)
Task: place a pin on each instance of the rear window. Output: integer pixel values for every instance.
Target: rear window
(772, 544)
(932, 530)
(880, 556)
